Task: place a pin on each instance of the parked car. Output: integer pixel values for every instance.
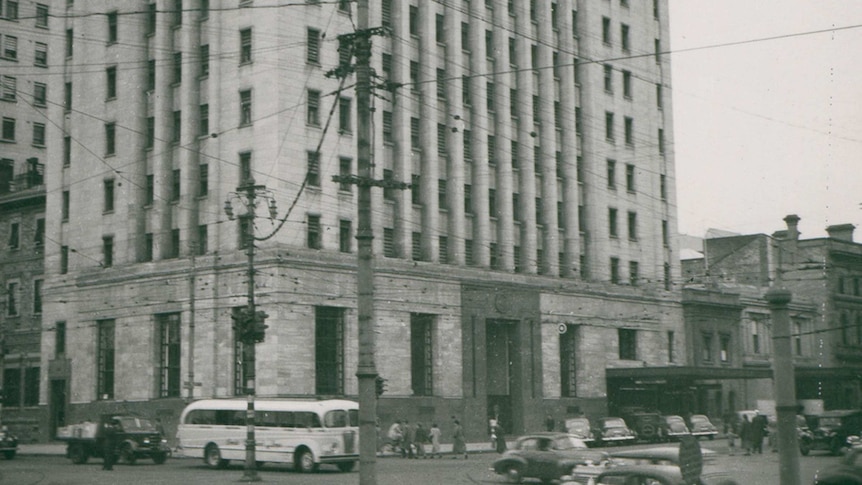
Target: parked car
(8, 443)
(847, 472)
(658, 455)
(613, 430)
(648, 426)
(548, 456)
(700, 425)
(674, 428)
(834, 427)
(581, 429)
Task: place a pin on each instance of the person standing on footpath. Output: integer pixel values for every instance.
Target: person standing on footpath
(501, 440)
(459, 446)
(434, 434)
(395, 435)
(409, 439)
(745, 434)
(421, 439)
(109, 444)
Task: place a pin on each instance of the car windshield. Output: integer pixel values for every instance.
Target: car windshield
(569, 443)
(614, 423)
(699, 418)
(137, 424)
(674, 419)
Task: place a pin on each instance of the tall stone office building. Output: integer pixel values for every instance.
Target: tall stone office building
(534, 251)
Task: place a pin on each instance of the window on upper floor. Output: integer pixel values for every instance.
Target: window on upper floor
(112, 27)
(245, 46)
(312, 49)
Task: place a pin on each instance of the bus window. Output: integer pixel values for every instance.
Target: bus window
(306, 419)
(335, 419)
(354, 417)
(267, 418)
(201, 416)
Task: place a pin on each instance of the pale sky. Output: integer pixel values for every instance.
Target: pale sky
(768, 128)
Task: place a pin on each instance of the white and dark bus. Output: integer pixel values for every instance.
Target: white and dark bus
(304, 433)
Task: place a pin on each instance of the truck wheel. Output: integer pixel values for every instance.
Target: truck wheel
(127, 454)
(212, 457)
(159, 458)
(77, 453)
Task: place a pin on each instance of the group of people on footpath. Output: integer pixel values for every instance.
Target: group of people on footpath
(409, 440)
(751, 434)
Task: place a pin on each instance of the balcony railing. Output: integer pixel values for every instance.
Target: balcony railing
(34, 176)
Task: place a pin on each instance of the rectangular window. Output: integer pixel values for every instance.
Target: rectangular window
(205, 60)
(413, 20)
(615, 271)
(345, 169)
(630, 178)
(39, 134)
(107, 251)
(64, 207)
(12, 387)
(439, 31)
(151, 132)
(12, 299)
(39, 236)
(628, 343)
(422, 354)
(177, 127)
(659, 96)
(41, 54)
(609, 126)
(415, 194)
(313, 113)
(624, 37)
(112, 27)
(67, 151)
(148, 247)
(41, 14)
(387, 127)
(386, 13)
(612, 174)
(468, 146)
(441, 84)
(245, 118)
(661, 147)
(634, 273)
(416, 246)
(415, 141)
(10, 47)
(151, 19)
(105, 359)
(110, 139)
(202, 245)
(329, 351)
(492, 203)
(204, 126)
(627, 84)
(8, 88)
(59, 339)
(468, 199)
(657, 51)
(633, 226)
(203, 179)
(724, 348)
(755, 338)
(313, 235)
(609, 79)
(612, 222)
(313, 169)
(606, 30)
(569, 361)
(388, 242)
(245, 46)
(109, 196)
(465, 36)
(40, 94)
(177, 13)
(64, 259)
(670, 345)
(629, 131)
(441, 140)
(312, 52)
(663, 186)
(345, 123)
(14, 235)
(244, 167)
(414, 76)
(8, 130)
(388, 192)
(151, 75)
(176, 184)
(706, 347)
(345, 235)
(168, 335)
(664, 234)
(178, 67)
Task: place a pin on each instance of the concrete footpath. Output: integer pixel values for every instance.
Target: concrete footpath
(59, 448)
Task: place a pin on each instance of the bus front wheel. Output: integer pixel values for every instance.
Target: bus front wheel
(305, 461)
(212, 457)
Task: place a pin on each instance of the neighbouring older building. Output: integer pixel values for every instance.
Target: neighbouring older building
(824, 276)
(24, 38)
(535, 250)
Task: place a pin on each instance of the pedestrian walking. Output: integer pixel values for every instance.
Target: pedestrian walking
(109, 444)
(434, 435)
(409, 440)
(501, 440)
(459, 446)
(745, 434)
(421, 439)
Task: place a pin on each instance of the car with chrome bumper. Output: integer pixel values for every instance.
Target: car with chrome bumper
(549, 456)
(700, 425)
(613, 431)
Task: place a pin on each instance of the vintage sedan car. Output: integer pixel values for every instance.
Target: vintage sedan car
(613, 431)
(580, 428)
(834, 427)
(674, 428)
(700, 425)
(646, 425)
(8, 443)
(548, 456)
(847, 472)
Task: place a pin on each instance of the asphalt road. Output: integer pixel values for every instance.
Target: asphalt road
(57, 470)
